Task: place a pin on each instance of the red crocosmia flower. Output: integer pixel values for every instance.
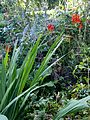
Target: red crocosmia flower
(50, 27)
(80, 26)
(76, 18)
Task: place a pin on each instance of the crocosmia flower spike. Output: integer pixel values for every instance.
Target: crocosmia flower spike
(50, 27)
(76, 18)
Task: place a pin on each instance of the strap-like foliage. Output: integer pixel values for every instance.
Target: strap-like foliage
(73, 106)
(14, 79)
(2, 117)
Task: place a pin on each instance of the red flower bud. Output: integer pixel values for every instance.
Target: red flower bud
(8, 48)
(80, 26)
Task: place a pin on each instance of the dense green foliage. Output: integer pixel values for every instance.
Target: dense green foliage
(45, 59)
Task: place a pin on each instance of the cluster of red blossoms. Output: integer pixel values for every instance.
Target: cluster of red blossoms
(50, 27)
(76, 19)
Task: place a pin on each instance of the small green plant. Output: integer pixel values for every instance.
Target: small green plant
(73, 106)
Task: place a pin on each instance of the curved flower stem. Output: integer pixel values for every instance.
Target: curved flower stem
(84, 38)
